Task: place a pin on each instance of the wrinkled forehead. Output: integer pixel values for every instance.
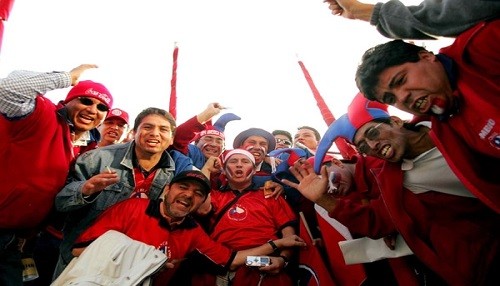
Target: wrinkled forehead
(155, 120)
(238, 157)
(280, 136)
(255, 139)
(212, 138)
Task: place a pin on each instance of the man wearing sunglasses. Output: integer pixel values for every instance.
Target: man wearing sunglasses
(40, 142)
(283, 139)
(446, 224)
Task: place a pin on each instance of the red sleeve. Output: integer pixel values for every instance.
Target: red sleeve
(215, 251)
(283, 213)
(185, 133)
(478, 47)
(365, 219)
(110, 219)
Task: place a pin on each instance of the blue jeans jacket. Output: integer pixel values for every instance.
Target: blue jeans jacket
(82, 212)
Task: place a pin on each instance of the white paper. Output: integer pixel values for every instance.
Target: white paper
(363, 250)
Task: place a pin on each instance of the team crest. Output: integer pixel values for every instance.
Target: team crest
(237, 212)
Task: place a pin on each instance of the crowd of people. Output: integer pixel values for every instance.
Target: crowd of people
(194, 209)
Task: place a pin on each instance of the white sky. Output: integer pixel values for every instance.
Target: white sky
(242, 54)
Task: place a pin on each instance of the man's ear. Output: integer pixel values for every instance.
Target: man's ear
(396, 121)
(426, 55)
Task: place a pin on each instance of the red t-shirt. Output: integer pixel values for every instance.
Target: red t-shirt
(252, 220)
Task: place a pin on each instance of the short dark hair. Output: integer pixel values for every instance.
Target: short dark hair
(316, 133)
(284, 133)
(157, 111)
(381, 57)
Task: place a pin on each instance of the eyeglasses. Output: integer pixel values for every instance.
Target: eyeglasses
(284, 141)
(89, 102)
(371, 134)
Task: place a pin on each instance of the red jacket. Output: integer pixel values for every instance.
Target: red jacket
(470, 139)
(37, 153)
(456, 237)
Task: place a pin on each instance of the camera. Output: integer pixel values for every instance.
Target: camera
(258, 261)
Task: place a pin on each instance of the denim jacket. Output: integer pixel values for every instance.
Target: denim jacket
(81, 211)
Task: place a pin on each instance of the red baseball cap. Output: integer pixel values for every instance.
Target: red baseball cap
(118, 113)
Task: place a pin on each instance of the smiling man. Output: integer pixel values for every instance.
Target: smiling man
(105, 176)
(40, 142)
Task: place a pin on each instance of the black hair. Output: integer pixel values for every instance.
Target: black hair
(156, 111)
(381, 57)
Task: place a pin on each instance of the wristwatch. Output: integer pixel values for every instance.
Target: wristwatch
(273, 245)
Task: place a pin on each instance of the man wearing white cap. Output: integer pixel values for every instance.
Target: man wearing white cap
(244, 216)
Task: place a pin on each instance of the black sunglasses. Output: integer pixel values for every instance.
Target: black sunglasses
(89, 102)
(284, 141)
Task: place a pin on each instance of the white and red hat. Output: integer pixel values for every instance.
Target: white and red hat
(118, 113)
(239, 151)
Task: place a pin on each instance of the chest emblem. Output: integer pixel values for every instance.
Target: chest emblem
(237, 212)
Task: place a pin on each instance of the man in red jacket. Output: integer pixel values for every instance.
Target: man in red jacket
(40, 142)
(458, 88)
(446, 226)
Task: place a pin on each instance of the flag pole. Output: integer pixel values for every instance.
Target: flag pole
(173, 83)
(346, 149)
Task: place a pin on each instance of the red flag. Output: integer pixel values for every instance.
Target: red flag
(173, 84)
(332, 232)
(346, 150)
(5, 8)
(312, 268)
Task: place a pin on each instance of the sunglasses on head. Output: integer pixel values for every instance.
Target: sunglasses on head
(89, 102)
(284, 141)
